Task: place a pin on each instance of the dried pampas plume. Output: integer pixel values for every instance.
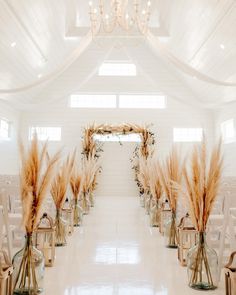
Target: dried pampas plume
(89, 173)
(202, 183)
(75, 182)
(61, 181)
(171, 171)
(35, 177)
(155, 183)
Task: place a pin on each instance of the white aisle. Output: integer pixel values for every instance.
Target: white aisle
(117, 253)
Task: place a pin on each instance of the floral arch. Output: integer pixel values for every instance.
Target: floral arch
(92, 149)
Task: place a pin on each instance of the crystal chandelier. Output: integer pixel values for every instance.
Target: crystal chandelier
(121, 14)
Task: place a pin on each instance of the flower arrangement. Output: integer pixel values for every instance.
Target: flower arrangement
(171, 171)
(89, 173)
(202, 184)
(75, 184)
(35, 176)
(58, 192)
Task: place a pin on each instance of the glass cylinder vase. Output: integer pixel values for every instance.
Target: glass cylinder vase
(28, 272)
(154, 213)
(91, 199)
(85, 203)
(147, 203)
(202, 263)
(170, 233)
(60, 229)
(77, 213)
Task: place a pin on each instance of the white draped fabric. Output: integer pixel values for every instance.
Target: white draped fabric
(182, 66)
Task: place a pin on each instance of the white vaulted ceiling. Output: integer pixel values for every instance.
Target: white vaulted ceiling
(47, 53)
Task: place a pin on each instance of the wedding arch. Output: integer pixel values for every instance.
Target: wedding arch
(92, 149)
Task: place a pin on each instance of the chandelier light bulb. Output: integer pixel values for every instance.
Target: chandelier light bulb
(149, 3)
(144, 12)
(95, 11)
(126, 16)
(90, 3)
(106, 16)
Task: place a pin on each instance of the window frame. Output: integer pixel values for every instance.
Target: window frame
(96, 106)
(129, 72)
(33, 129)
(6, 122)
(185, 138)
(223, 130)
(162, 105)
(116, 137)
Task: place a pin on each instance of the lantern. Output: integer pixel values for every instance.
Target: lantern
(230, 276)
(45, 239)
(6, 270)
(165, 214)
(68, 215)
(187, 238)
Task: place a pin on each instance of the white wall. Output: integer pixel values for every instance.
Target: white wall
(9, 162)
(117, 177)
(225, 113)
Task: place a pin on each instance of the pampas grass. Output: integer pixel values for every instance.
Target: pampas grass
(171, 171)
(61, 181)
(89, 172)
(35, 177)
(144, 174)
(58, 192)
(75, 184)
(156, 193)
(155, 183)
(202, 183)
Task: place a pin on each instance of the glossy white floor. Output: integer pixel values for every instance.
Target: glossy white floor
(117, 253)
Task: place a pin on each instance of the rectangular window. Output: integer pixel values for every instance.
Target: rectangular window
(4, 129)
(187, 134)
(133, 137)
(142, 101)
(46, 133)
(228, 131)
(117, 69)
(93, 101)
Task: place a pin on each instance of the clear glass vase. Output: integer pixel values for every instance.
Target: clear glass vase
(202, 263)
(85, 203)
(147, 203)
(170, 233)
(28, 272)
(77, 213)
(61, 229)
(154, 213)
(91, 199)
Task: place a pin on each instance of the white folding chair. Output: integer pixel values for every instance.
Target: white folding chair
(1, 227)
(6, 222)
(227, 231)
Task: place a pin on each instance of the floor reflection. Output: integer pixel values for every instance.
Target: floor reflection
(125, 289)
(90, 290)
(117, 255)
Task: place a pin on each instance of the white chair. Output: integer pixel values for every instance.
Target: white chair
(6, 226)
(228, 235)
(1, 227)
